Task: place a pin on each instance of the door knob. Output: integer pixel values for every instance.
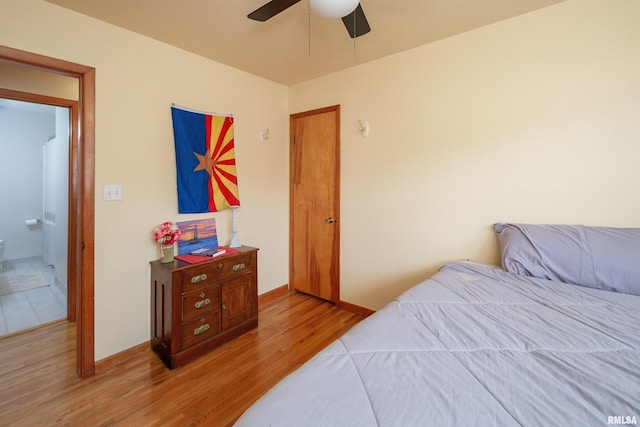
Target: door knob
(330, 220)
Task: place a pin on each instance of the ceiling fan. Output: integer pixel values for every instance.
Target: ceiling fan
(354, 19)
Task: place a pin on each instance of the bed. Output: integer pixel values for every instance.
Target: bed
(480, 345)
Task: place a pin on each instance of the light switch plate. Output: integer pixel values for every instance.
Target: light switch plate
(112, 192)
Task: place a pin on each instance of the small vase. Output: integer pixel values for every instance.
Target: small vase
(167, 254)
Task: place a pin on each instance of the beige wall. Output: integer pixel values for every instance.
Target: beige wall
(137, 79)
(533, 119)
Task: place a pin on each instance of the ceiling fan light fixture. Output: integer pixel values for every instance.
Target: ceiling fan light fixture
(333, 8)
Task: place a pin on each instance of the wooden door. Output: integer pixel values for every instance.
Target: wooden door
(314, 247)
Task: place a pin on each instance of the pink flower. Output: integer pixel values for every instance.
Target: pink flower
(167, 234)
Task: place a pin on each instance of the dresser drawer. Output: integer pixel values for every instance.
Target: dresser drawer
(195, 303)
(199, 276)
(235, 266)
(200, 329)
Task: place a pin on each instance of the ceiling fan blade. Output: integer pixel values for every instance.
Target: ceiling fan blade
(356, 23)
(271, 9)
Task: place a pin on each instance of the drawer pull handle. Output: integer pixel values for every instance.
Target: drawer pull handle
(201, 329)
(199, 278)
(238, 267)
(224, 306)
(203, 303)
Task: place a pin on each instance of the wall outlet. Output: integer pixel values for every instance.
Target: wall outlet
(112, 192)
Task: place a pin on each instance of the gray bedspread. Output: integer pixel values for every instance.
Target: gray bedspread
(473, 346)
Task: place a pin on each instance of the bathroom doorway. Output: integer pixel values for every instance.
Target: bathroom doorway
(81, 190)
(34, 158)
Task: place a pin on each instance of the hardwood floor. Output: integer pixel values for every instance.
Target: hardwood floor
(38, 384)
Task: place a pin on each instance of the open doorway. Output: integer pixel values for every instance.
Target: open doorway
(34, 158)
(81, 194)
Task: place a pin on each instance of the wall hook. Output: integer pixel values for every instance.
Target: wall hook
(364, 128)
(264, 135)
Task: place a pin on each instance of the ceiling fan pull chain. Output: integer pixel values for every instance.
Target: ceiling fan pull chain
(354, 32)
(309, 28)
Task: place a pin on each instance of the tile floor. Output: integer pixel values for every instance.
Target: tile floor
(24, 310)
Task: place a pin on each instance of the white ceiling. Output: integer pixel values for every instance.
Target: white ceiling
(296, 46)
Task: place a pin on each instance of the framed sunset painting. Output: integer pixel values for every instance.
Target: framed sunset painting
(197, 234)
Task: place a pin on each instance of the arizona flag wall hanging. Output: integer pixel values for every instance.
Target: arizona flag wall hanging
(205, 160)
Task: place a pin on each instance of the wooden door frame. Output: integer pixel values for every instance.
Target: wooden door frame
(335, 283)
(81, 197)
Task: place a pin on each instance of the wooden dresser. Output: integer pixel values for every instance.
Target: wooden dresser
(196, 307)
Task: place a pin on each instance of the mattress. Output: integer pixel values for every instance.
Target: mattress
(473, 346)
